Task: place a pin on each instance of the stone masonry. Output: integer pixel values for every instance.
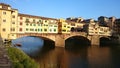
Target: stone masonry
(4, 59)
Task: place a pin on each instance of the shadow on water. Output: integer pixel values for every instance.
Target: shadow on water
(115, 55)
(108, 42)
(78, 57)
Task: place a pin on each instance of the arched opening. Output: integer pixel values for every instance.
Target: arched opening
(76, 42)
(105, 41)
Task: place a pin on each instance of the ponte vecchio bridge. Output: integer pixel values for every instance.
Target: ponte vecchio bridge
(59, 39)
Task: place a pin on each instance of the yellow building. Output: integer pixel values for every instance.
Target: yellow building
(8, 21)
(64, 26)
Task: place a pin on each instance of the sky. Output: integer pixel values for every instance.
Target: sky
(67, 8)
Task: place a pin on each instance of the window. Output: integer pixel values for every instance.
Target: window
(31, 29)
(4, 29)
(95, 28)
(105, 30)
(55, 25)
(21, 23)
(101, 29)
(13, 22)
(27, 24)
(45, 20)
(35, 29)
(33, 20)
(34, 24)
(40, 20)
(38, 29)
(50, 30)
(68, 31)
(64, 30)
(68, 26)
(41, 29)
(13, 16)
(12, 34)
(4, 20)
(4, 13)
(12, 29)
(26, 29)
(27, 20)
(45, 29)
(55, 30)
(20, 29)
(96, 32)
(21, 18)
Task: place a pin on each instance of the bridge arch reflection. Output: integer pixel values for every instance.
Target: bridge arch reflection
(76, 42)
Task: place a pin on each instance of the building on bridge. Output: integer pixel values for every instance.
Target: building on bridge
(95, 29)
(13, 23)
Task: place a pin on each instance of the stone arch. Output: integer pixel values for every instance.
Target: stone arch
(44, 37)
(47, 41)
(74, 36)
(77, 36)
(104, 37)
(78, 40)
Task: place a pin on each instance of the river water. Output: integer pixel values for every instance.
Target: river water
(82, 57)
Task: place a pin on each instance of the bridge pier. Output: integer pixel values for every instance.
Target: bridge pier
(59, 41)
(95, 40)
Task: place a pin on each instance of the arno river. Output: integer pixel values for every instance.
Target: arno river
(79, 57)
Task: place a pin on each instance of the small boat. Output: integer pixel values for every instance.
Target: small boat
(19, 45)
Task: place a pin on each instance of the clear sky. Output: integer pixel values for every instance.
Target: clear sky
(67, 8)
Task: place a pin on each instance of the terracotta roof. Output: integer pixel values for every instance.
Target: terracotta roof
(5, 9)
(5, 4)
(32, 16)
(68, 21)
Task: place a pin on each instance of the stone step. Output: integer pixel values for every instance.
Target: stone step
(5, 66)
(3, 61)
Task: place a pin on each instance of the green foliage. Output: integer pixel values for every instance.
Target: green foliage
(20, 59)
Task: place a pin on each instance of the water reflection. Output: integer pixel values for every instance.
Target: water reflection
(82, 57)
(91, 57)
(29, 44)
